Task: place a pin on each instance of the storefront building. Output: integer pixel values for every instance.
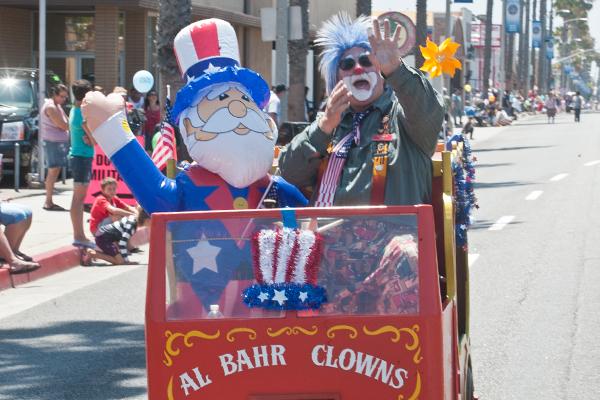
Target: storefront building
(107, 41)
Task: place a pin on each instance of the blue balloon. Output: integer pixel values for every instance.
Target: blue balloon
(143, 81)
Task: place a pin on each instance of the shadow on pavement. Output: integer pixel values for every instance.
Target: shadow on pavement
(484, 185)
(477, 165)
(510, 148)
(89, 360)
(486, 224)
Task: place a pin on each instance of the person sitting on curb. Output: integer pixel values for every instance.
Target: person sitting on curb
(108, 207)
(17, 219)
(113, 239)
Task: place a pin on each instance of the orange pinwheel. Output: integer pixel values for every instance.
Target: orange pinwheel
(440, 59)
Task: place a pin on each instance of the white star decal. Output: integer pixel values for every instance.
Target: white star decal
(280, 297)
(263, 297)
(303, 296)
(212, 69)
(204, 256)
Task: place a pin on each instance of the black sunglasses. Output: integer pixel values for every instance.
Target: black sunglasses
(348, 63)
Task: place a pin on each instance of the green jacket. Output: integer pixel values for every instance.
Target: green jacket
(416, 112)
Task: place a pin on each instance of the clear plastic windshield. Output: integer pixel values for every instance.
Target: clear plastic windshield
(366, 264)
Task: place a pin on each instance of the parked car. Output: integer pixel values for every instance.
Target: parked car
(19, 117)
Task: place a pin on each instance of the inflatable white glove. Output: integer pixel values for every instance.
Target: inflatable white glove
(105, 117)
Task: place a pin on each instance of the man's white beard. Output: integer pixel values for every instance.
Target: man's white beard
(361, 94)
(239, 159)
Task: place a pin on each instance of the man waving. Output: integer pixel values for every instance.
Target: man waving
(374, 141)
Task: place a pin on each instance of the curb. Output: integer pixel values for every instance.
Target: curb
(56, 261)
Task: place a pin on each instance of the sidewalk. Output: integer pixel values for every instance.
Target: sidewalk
(51, 234)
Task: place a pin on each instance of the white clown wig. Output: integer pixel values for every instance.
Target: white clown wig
(338, 34)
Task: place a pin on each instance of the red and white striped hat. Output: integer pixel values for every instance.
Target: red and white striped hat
(209, 41)
(207, 53)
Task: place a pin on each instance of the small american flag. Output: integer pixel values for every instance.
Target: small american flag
(165, 147)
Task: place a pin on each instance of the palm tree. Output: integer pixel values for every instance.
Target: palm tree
(542, 75)
(363, 7)
(173, 16)
(487, 51)
(297, 52)
(421, 31)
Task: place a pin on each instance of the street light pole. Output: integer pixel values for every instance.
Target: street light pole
(41, 85)
(281, 51)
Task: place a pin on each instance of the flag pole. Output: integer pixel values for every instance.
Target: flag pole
(171, 166)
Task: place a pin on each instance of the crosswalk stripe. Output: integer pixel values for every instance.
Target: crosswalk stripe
(534, 195)
(473, 258)
(558, 177)
(501, 223)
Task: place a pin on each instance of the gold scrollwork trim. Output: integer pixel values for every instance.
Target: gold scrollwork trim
(230, 335)
(171, 351)
(417, 392)
(331, 331)
(410, 346)
(292, 330)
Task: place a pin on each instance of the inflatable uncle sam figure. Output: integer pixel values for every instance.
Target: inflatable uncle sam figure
(219, 113)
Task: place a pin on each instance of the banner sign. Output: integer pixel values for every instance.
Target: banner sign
(103, 168)
(478, 35)
(536, 34)
(513, 16)
(550, 48)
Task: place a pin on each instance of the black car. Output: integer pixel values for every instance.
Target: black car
(19, 117)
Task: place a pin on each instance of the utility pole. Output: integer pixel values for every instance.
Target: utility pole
(542, 81)
(549, 61)
(281, 50)
(41, 84)
(533, 66)
(448, 35)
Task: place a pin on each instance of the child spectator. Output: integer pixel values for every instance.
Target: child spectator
(107, 207)
(113, 239)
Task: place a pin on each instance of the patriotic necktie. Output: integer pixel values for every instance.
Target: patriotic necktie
(336, 163)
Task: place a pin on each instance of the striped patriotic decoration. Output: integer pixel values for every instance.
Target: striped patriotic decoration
(165, 147)
(286, 265)
(329, 181)
(339, 154)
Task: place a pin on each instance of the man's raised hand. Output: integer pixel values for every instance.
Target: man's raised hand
(338, 102)
(384, 49)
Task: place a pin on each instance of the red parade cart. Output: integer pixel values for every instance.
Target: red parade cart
(395, 324)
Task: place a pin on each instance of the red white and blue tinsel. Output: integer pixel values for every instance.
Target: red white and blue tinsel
(286, 265)
(465, 200)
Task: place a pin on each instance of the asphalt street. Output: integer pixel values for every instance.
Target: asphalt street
(534, 282)
(534, 298)
(75, 335)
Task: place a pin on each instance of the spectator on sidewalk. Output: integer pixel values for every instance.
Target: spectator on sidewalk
(135, 98)
(274, 106)
(107, 207)
(113, 239)
(550, 105)
(54, 126)
(152, 112)
(468, 129)
(81, 155)
(457, 109)
(577, 102)
(17, 220)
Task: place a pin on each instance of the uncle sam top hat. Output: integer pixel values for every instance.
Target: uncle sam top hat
(207, 53)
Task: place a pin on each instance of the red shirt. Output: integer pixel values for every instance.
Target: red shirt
(100, 210)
